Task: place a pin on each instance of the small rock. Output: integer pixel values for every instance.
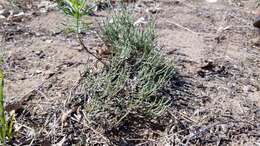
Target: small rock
(40, 54)
(47, 67)
(257, 113)
(19, 14)
(46, 6)
(20, 76)
(38, 71)
(36, 13)
(49, 74)
(18, 17)
(210, 66)
(43, 4)
(154, 10)
(142, 20)
(38, 34)
(212, 1)
(256, 41)
(2, 17)
(177, 2)
(5, 13)
(43, 10)
(19, 57)
(49, 41)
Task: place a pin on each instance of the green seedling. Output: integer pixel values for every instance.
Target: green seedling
(6, 125)
(77, 9)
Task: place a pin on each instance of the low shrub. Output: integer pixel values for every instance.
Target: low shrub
(137, 72)
(130, 81)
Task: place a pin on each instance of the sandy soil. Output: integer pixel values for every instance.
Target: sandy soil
(210, 44)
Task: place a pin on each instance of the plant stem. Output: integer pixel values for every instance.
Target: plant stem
(82, 43)
(87, 50)
(77, 24)
(122, 118)
(2, 111)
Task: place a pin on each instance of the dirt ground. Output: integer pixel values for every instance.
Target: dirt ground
(211, 44)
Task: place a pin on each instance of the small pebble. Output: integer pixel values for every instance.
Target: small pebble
(212, 1)
(2, 17)
(38, 71)
(40, 54)
(49, 41)
(5, 13)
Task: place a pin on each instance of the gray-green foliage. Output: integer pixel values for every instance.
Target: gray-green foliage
(136, 74)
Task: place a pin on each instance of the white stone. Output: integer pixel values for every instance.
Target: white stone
(212, 1)
(2, 17)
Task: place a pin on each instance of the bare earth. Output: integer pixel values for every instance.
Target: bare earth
(210, 43)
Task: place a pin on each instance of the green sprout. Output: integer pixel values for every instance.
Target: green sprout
(76, 9)
(6, 125)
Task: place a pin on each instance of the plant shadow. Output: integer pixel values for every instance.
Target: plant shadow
(136, 129)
